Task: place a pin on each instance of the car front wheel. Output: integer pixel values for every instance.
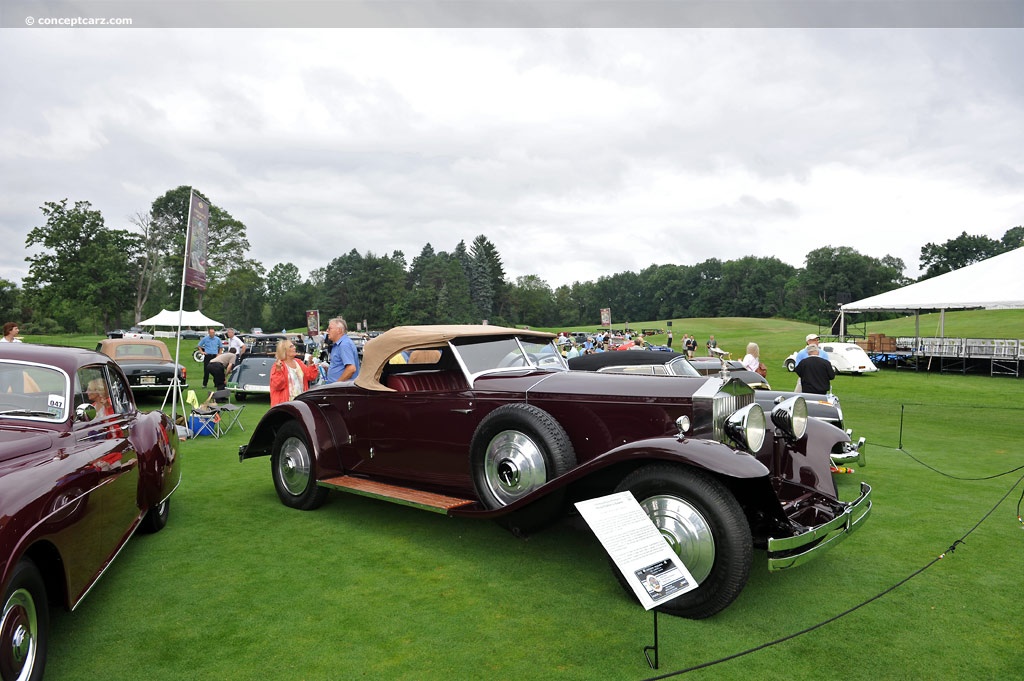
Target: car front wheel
(705, 526)
(24, 625)
(294, 469)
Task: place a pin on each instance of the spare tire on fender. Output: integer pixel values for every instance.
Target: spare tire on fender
(516, 449)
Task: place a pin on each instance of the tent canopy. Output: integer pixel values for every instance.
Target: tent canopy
(993, 284)
(187, 318)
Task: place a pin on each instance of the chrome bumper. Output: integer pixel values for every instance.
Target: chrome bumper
(852, 453)
(781, 552)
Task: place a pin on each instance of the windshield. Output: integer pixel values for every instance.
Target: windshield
(31, 391)
(508, 353)
(681, 367)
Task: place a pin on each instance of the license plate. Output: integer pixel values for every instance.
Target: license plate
(147, 380)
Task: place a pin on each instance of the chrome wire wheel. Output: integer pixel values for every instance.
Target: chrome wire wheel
(514, 466)
(19, 634)
(686, 530)
(293, 466)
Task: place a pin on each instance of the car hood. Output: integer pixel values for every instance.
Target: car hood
(18, 442)
(588, 384)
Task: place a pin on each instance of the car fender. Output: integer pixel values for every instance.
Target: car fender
(319, 433)
(708, 455)
(155, 441)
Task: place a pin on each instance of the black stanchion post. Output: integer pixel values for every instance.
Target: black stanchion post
(648, 649)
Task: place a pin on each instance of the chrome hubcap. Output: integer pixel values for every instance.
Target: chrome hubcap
(513, 466)
(686, 531)
(294, 466)
(18, 631)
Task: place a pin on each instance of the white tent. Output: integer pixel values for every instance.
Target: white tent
(170, 318)
(993, 284)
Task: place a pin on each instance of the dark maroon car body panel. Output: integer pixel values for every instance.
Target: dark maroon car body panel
(73, 491)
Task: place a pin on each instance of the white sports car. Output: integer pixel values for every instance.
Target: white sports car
(846, 358)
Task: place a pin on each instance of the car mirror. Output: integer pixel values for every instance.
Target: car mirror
(85, 412)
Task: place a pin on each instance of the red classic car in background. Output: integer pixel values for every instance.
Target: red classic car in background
(80, 469)
(489, 422)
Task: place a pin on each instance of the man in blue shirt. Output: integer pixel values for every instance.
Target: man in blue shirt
(210, 345)
(344, 363)
(812, 339)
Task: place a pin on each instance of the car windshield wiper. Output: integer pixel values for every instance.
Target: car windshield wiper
(27, 412)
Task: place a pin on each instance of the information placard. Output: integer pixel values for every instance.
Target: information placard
(635, 545)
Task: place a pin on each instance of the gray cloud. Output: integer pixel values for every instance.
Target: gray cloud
(695, 144)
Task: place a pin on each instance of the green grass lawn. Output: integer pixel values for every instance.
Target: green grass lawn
(240, 587)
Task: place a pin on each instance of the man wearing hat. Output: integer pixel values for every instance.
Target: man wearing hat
(812, 339)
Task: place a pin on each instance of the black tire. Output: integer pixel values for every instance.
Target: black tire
(24, 625)
(240, 397)
(706, 527)
(791, 365)
(516, 449)
(294, 469)
(199, 356)
(156, 517)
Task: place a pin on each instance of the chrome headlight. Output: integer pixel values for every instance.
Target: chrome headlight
(790, 416)
(746, 427)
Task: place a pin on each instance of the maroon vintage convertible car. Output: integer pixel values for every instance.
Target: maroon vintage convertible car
(489, 422)
(80, 470)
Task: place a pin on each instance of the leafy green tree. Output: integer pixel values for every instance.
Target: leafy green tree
(1013, 238)
(84, 269)
(240, 299)
(956, 253)
(531, 302)
(834, 276)
(10, 301)
(227, 243)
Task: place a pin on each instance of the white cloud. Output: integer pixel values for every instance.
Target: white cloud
(578, 152)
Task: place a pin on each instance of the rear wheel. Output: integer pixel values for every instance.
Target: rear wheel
(24, 625)
(705, 526)
(156, 518)
(790, 365)
(240, 397)
(294, 469)
(199, 356)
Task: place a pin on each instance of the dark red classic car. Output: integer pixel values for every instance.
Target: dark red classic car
(80, 470)
(489, 422)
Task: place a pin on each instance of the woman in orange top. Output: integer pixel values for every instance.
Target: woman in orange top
(289, 375)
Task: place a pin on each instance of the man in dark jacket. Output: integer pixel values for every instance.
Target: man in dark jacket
(815, 373)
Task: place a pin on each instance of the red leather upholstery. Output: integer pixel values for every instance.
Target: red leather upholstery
(426, 381)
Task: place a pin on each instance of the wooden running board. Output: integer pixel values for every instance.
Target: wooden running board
(428, 501)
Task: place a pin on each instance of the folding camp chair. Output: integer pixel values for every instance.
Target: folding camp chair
(229, 412)
(205, 421)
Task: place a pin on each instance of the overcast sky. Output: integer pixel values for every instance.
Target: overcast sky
(578, 152)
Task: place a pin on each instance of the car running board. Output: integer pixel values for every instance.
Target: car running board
(407, 496)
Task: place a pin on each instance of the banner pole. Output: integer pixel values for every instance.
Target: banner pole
(181, 304)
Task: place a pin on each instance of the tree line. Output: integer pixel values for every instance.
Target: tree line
(88, 278)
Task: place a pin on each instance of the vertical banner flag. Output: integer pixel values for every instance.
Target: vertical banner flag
(195, 244)
(313, 322)
(606, 316)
